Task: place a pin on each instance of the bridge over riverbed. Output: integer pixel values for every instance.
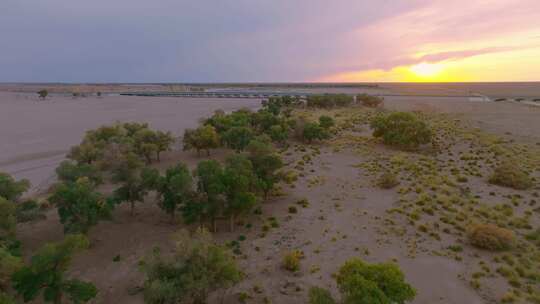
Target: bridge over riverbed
(221, 94)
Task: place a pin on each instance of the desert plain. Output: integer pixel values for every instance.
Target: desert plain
(419, 224)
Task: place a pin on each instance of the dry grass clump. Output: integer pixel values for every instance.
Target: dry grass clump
(387, 180)
(491, 237)
(291, 260)
(510, 175)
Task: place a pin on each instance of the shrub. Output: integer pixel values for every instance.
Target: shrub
(292, 209)
(238, 138)
(319, 295)
(11, 189)
(326, 122)
(202, 138)
(46, 274)
(279, 133)
(197, 268)
(79, 206)
(291, 260)
(329, 100)
(369, 100)
(29, 210)
(363, 283)
(43, 93)
(8, 225)
(510, 175)
(314, 131)
(9, 264)
(69, 171)
(401, 129)
(387, 180)
(491, 237)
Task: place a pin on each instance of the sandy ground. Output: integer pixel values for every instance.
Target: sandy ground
(344, 218)
(35, 135)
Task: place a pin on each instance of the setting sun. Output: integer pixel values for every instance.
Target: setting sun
(426, 69)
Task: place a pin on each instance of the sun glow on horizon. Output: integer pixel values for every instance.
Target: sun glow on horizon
(426, 70)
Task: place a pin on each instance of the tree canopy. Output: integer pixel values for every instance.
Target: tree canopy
(197, 267)
(203, 138)
(79, 205)
(11, 189)
(175, 188)
(45, 274)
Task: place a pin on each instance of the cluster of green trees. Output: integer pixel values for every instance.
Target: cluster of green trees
(44, 274)
(105, 144)
(237, 129)
(329, 100)
(214, 190)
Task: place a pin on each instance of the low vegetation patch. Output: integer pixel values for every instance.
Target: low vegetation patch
(387, 180)
(509, 174)
(490, 237)
(401, 129)
(363, 283)
(369, 100)
(291, 260)
(197, 267)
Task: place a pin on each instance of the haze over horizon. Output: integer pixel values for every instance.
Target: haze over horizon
(269, 41)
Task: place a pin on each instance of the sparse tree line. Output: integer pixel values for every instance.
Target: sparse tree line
(43, 93)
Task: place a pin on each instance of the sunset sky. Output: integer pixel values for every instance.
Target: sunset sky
(269, 40)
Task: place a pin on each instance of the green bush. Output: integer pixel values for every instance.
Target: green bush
(291, 260)
(491, 237)
(79, 206)
(9, 264)
(28, 211)
(69, 171)
(363, 283)
(238, 138)
(369, 100)
(197, 267)
(319, 295)
(43, 93)
(326, 122)
(387, 180)
(314, 131)
(509, 175)
(401, 129)
(11, 189)
(202, 138)
(329, 100)
(46, 274)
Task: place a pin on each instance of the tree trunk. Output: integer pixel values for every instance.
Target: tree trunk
(207, 152)
(157, 156)
(132, 208)
(231, 223)
(58, 298)
(214, 226)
